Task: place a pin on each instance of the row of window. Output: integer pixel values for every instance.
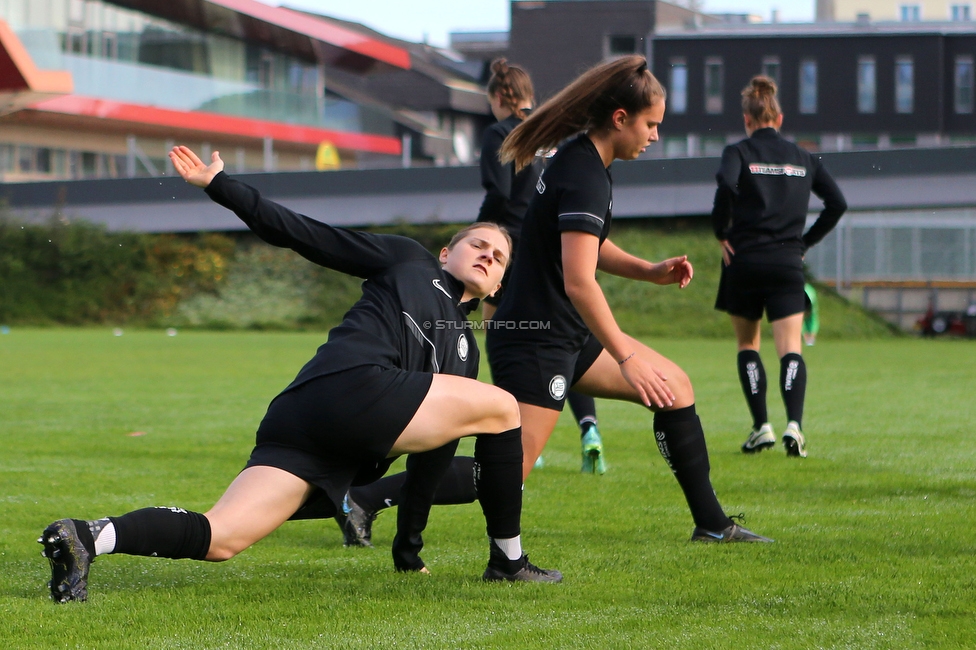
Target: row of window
(807, 73)
(913, 12)
(43, 162)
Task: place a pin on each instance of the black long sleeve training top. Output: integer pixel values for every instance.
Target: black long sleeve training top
(507, 194)
(410, 315)
(763, 196)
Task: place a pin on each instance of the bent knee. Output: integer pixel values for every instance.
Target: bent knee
(680, 385)
(505, 416)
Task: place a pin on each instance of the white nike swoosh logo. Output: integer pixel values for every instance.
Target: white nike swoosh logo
(437, 283)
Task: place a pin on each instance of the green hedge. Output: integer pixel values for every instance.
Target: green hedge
(77, 273)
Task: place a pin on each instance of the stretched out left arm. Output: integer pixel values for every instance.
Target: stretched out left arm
(616, 261)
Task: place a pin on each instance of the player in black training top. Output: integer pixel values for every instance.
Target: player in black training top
(507, 196)
(554, 329)
(397, 376)
(759, 214)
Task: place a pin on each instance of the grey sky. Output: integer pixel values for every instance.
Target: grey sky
(412, 19)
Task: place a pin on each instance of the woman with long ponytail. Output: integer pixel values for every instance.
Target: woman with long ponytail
(554, 329)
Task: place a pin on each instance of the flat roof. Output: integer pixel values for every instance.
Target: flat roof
(824, 29)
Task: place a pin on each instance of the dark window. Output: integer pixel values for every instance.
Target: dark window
(866, 85)
(904, 85)
(43, 160)
(808, 86)
(678, 91)
(770, 68)
(619, 44)
(713, 85)
(964, 84)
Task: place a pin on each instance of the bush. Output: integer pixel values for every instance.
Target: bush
(78, 273)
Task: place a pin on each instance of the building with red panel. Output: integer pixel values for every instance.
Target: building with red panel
(103, 88)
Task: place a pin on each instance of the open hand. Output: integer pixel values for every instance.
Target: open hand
(649, 382)
(676, 270)
(193, 170)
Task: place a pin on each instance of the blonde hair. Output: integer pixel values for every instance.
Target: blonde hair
(759, 100)
(586, 103)
(477, 225)
(512, 85)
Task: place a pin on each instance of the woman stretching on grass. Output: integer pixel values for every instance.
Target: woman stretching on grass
(389, 381)
(615, 108)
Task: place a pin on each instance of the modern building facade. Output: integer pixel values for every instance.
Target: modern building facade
(102, 88)
(842, 86)
(557, 39)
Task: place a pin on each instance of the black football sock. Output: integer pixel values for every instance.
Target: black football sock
(498, 477)
(752, 376)
(793, 385)
(456, 487)
(584, 409)
(681, 441)
(424, 473)
(163, 532)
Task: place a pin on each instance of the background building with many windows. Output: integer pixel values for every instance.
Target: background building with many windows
(841, 86)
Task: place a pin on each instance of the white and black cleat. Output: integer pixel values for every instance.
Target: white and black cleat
(794, 442)
(759, 439)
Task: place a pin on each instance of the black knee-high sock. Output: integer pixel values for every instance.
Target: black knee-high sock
(583, 407)
(456, 487)
(498, 477)
(793, 385)
(681, 441)
(752, 376)
(423, 476)
(163, 532)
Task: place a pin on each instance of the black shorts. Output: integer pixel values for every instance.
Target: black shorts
(337, 430)
(536, 374)
(746, 289)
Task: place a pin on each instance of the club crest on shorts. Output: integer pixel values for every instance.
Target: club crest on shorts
(557, 387)
(462, 348)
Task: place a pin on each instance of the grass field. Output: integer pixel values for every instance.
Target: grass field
(873, 531)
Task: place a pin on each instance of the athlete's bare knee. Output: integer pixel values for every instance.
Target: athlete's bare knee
(680, 385)
(506, 416)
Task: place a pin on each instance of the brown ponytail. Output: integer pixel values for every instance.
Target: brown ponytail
(512, 85)
(759, 100)
(586, 103)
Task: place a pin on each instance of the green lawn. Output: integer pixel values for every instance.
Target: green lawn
(873, 546)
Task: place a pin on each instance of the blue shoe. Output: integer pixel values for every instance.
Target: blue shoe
(592, 451)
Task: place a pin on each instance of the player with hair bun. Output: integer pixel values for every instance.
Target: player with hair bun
(759, 214)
